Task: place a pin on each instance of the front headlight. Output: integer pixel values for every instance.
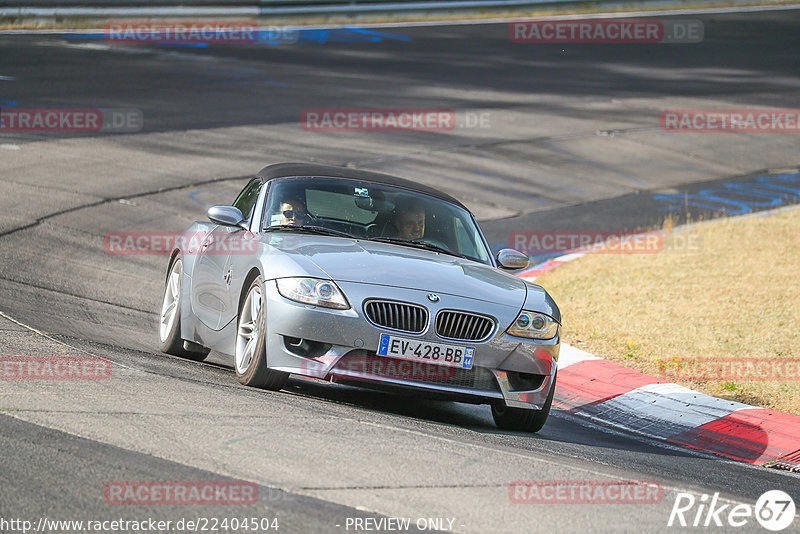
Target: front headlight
(534, 325)
(313, 291)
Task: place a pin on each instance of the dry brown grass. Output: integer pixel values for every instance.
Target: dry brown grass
(737, 297)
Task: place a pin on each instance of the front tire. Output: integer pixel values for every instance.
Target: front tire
(169, 326)
(251, 352)
(522, 419)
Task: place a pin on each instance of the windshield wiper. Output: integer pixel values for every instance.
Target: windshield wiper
(417, 244)
(310, 229)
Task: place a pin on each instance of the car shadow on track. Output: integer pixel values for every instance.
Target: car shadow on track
(397, 402)
(564, 431)
(563, 427)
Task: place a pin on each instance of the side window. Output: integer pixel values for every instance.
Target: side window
(248, 197)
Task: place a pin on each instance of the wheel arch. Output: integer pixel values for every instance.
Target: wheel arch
(251, 275)
(172, 257)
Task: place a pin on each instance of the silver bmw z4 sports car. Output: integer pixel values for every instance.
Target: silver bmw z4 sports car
(366, 279)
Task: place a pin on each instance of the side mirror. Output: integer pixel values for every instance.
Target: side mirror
(225, 215)
(511, 259)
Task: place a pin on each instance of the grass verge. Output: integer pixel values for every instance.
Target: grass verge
(723, 319)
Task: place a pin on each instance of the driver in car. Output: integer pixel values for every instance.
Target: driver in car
(409, 219)
(292, 212)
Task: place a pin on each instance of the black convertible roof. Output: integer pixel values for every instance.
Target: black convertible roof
(285, 170)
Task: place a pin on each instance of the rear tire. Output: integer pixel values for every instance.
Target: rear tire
(522, 419)
(250, 359)
(169, 326)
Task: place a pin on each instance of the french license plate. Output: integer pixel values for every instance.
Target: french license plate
(424, 351)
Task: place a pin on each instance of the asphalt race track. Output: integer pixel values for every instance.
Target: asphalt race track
(547, 135)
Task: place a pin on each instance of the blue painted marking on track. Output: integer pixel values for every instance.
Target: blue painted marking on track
(349, 34)
(83, 36)
(193, 196)
(179, 44)
(330, 36)
(765, 191)
(382, 35)
(5, 104)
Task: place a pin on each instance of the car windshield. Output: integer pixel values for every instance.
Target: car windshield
(379, 212)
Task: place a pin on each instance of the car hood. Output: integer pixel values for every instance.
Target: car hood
(370, 262)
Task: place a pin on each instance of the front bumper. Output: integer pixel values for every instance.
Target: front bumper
(340, 345)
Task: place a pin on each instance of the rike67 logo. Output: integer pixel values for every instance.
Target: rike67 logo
(774, 510)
